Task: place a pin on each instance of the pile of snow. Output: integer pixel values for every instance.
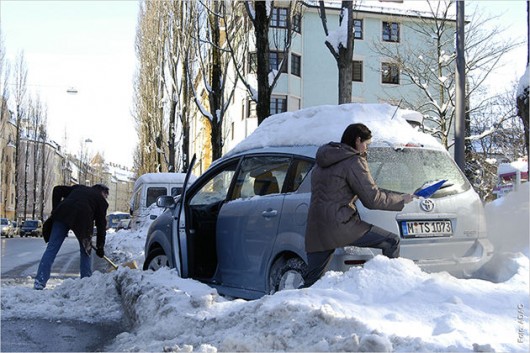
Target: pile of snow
(127, 245)
(387, 305)
(519, 165)
(510, 236)
(322, 124)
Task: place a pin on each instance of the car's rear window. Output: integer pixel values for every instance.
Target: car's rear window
(406, 170)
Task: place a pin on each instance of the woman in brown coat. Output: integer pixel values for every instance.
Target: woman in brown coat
(341, 176)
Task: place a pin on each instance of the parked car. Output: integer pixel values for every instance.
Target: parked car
(6, 228)
(240, 226)
(114, 219)
(31, 227)
(124, 224)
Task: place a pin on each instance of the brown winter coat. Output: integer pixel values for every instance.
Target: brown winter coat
(341, 175)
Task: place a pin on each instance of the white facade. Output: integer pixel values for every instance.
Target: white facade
(317, 83)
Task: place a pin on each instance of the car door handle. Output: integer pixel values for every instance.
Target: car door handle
(269, 213)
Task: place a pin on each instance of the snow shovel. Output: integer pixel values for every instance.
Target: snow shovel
(131, 264)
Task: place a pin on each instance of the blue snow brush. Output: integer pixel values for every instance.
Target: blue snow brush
(428, 189)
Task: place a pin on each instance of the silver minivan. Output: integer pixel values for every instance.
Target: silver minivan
(240, 226)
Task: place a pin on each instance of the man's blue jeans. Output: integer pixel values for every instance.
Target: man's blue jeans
(58, 234)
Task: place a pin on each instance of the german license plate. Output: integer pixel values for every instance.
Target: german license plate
(425, 229)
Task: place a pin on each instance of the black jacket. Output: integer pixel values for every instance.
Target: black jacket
(78, 207)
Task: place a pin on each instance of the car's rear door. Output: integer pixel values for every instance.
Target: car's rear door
(248, 222)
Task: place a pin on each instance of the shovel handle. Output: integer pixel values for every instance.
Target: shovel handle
(107, 259)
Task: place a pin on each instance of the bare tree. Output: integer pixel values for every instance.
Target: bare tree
(431, 67)
(179, 52)
(148, 88)
(36, 122)
(20, 90)
(4, 121)
(44, 160)
(213, 59)
(341, 45)
(495, 133)
(256, 66)
(523, 92)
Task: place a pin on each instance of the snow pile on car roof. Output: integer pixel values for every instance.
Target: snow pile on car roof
(322, 124)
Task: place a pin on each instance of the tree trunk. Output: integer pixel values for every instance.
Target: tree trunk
(261, 30)
(345, 62)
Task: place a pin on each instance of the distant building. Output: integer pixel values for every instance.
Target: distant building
(7, 162)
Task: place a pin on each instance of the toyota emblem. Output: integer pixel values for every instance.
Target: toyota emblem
(427, 205)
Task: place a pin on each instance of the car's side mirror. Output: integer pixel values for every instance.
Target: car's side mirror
(165, 201)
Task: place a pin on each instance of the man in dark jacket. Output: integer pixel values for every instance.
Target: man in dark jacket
(340, 177)
(76, 208)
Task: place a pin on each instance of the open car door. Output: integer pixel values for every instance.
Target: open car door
(180, 225)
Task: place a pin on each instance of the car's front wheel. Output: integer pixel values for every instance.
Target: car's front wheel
(156, 259)
(287, 274)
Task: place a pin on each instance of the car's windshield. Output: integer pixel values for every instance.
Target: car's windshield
(406, 170)
(3, 221)
(30, 223)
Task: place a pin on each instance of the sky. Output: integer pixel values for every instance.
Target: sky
(89, 45)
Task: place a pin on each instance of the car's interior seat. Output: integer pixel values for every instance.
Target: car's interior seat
(265, 184)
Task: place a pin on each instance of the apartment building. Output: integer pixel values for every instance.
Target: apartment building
(309, 73)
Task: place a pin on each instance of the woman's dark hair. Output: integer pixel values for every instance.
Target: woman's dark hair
(353, 131)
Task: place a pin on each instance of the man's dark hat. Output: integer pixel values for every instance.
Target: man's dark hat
(102, 187)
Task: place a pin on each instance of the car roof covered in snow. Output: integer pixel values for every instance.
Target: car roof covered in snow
(321, 124)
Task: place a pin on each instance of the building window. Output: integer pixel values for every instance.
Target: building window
(252, 63)
(390, 32)
(279, 17)
(296, 65)
(358, 28)
(275, 60)
(251, 109)
(389, 73)
(357, 71)
(297, 23)
(278, 104)
(232, 133)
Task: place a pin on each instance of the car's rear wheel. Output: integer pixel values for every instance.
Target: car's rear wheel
(156, 259)
(287, 274)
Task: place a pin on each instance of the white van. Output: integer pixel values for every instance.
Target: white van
(148, 188)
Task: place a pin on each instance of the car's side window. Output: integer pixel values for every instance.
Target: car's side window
(136, 203)
(216, 188)
(299, 170)
(260, 176)
(153, 193)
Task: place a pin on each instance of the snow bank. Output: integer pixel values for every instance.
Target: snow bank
(508, 221)
(92, 299)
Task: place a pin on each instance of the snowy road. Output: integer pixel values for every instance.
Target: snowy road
(20, 258)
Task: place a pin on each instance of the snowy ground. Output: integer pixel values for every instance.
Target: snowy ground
(388, 305)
